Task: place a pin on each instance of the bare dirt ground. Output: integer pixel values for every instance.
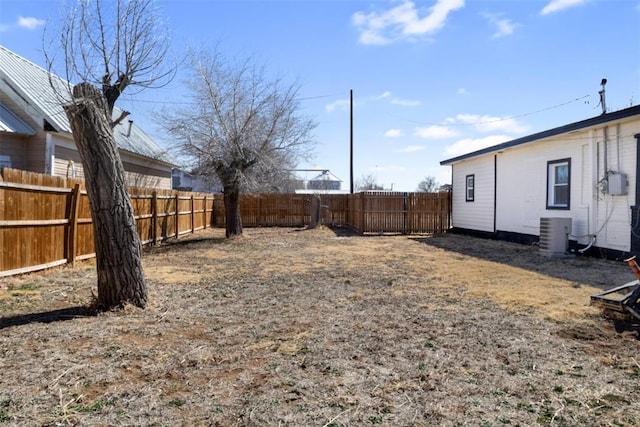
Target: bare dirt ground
(323, 328)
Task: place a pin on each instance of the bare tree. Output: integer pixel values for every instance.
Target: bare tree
(368, 183)
(428, 185)
(445, 188)
(240, 127)
(108, 47)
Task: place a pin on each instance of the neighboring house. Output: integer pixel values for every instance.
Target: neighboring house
(185, 181)
(35, 134)
(586, 172)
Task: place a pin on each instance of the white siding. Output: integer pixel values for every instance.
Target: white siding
(478, 214)
(613, 214)
(522, 185)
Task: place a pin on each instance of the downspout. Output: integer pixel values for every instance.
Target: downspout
(495, 193)
(451, 200)
(637, 137)
(618, 147)
(605, 156)
(49, 155)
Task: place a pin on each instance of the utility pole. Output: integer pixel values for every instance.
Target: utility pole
(351, 136)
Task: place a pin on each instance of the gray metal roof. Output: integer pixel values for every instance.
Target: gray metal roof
(9, 122)
(136, 141)
(594, 121)
(31, 84)
(326, 176)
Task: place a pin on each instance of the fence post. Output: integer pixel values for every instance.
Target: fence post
(72, 237)
(363, 224)
(405, 207)
(193, 218)
(177, 217)
(204, 211)
(440, 222)
(154, 217)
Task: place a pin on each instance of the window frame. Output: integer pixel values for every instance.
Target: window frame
(552, 166)
(471, 187)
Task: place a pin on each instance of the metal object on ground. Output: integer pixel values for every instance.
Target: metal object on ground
(622, 300)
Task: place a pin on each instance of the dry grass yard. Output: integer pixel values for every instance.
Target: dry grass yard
(289, 327)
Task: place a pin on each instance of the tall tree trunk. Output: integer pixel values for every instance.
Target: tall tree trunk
(118, 248)
(233, 221)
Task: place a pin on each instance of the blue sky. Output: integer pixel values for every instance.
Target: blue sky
(431, 79)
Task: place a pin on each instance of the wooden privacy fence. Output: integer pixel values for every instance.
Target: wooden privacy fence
(399, 212)
(367, 212)
(45, 220)
(284, 210)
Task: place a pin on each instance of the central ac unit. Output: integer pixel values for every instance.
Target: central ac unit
(554, 235)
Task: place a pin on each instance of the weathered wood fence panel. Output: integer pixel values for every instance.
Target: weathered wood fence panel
(46, 221)
(284, 210)
(398, 212)
(366, 212)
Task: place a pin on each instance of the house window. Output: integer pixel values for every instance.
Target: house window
(470, 188)
(558, 184)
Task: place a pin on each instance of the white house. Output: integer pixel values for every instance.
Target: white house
(585, 172)
(35, 134)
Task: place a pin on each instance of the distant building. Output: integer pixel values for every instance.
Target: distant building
(325, 181)
(185, 181)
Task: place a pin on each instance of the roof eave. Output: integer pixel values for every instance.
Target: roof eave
(148, 158)
(593, 121)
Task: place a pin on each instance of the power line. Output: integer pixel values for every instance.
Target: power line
(502, 119)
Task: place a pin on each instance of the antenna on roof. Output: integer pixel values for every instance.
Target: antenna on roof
(603, 102)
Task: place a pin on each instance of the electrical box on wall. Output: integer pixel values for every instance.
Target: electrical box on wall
(617, 184)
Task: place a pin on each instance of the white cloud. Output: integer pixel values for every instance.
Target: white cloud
(384, 95)
(504, 27)
(342, 104)
(30, 23)
(434, 132)
(469, 145)
(462, 91)
(393, 133)
(558, 5)
(411, 149)
(27, 23)
(488, 124)
(406, 102)
(402, 22)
